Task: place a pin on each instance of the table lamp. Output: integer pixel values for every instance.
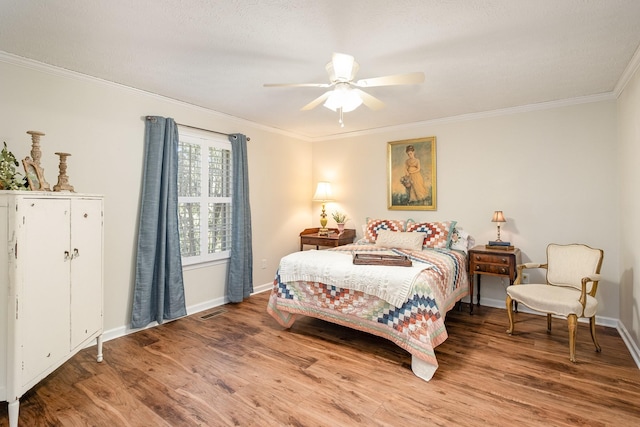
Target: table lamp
(323, 194)
(498, 218)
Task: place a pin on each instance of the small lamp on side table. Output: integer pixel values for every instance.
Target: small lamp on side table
(323, 194)
(498, 218)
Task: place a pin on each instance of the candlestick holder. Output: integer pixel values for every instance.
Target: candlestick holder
(63, 179)
(36, 154)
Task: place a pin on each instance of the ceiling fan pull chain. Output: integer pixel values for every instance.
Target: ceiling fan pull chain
(340, 120)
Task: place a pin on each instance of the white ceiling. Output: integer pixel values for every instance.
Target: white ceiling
(477, 55)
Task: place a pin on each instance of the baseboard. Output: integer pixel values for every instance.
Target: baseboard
(193, 309)
(628, 340)
(489, 302)
(500, 303)
(600, 320)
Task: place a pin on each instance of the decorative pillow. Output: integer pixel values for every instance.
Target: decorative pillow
(375, 225)
(438, 234)
(400, 240)
(461, 240)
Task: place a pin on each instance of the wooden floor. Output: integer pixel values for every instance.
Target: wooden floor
(239, 367)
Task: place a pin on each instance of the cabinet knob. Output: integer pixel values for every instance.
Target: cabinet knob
(67, 256)
(504, 260)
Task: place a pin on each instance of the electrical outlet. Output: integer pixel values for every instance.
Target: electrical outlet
(525, 278)
(264, 264)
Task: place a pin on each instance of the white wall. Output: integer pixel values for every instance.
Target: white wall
(629, 136)
(102, 126)
(559, 161)
(552, 171)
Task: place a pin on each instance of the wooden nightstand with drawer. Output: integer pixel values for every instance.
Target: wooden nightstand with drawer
(492, 262)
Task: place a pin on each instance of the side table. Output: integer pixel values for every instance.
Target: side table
(310, 237)
(492, 262)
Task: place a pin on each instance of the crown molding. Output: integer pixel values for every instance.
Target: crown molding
(628, 73)
(608, 96)
(66, 73)
(63, 72)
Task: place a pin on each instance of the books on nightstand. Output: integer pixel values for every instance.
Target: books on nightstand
(503, 246)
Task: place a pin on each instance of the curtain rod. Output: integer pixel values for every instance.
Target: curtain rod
(206, 130)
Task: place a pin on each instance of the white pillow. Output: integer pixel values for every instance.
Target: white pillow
(400, 240)
(461, 240)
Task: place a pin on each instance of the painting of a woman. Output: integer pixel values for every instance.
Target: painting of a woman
(417, 191)
(412, 174)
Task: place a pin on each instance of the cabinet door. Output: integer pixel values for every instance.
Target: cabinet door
(4, 286)
(43, 313)
(86, 270)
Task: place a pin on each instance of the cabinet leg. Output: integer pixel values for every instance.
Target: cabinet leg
(479, 277)
(14, 408)
(99, 345)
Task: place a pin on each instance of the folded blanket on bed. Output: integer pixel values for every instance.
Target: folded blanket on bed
(392, 284)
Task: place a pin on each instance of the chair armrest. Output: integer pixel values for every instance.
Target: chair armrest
(521, 267)
(530, 265)
(592, 278)
(595, 277)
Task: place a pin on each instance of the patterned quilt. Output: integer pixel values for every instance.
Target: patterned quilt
(416, 326)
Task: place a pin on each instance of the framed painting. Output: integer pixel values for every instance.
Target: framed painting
(412, 174)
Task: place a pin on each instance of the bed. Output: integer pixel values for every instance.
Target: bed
(406, 305)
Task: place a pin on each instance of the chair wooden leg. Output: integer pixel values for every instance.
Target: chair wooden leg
(548, 323)
(510, 314)
(592, 324)
(572, 320)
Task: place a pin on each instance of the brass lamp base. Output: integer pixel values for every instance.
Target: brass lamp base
(323, 231)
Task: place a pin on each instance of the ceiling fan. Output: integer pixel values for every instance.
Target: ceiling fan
(346, 94)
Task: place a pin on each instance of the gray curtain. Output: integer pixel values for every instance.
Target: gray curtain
(240, 273)
(159, 288)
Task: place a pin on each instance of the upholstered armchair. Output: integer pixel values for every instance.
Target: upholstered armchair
(572, 276)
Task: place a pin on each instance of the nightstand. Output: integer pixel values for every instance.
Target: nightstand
(492, 262)
(334, 239)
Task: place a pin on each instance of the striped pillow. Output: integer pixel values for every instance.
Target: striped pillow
(437, 234)
(374, 225)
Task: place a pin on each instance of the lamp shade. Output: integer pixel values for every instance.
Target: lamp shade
(498, 217)
(323, 192)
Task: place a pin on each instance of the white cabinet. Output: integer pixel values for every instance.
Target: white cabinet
(51, 277)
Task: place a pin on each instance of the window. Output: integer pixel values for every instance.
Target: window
(204, 196)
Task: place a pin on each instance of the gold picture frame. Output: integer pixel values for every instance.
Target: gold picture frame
(412, 174)
(34, 174)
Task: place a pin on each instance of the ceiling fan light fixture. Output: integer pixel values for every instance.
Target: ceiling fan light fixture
(343, 97)
(342, 67)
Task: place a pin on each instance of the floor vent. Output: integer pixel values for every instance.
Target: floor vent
(213, 313)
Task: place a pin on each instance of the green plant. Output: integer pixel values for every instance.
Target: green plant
(10, 179)
(339, 217)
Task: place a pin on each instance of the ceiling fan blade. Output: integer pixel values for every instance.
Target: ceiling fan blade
(319, 100)
(369, 100)
(396, 79)
(342, 67)
(298, 85)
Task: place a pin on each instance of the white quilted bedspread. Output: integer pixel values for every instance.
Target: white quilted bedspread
(391, 284)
